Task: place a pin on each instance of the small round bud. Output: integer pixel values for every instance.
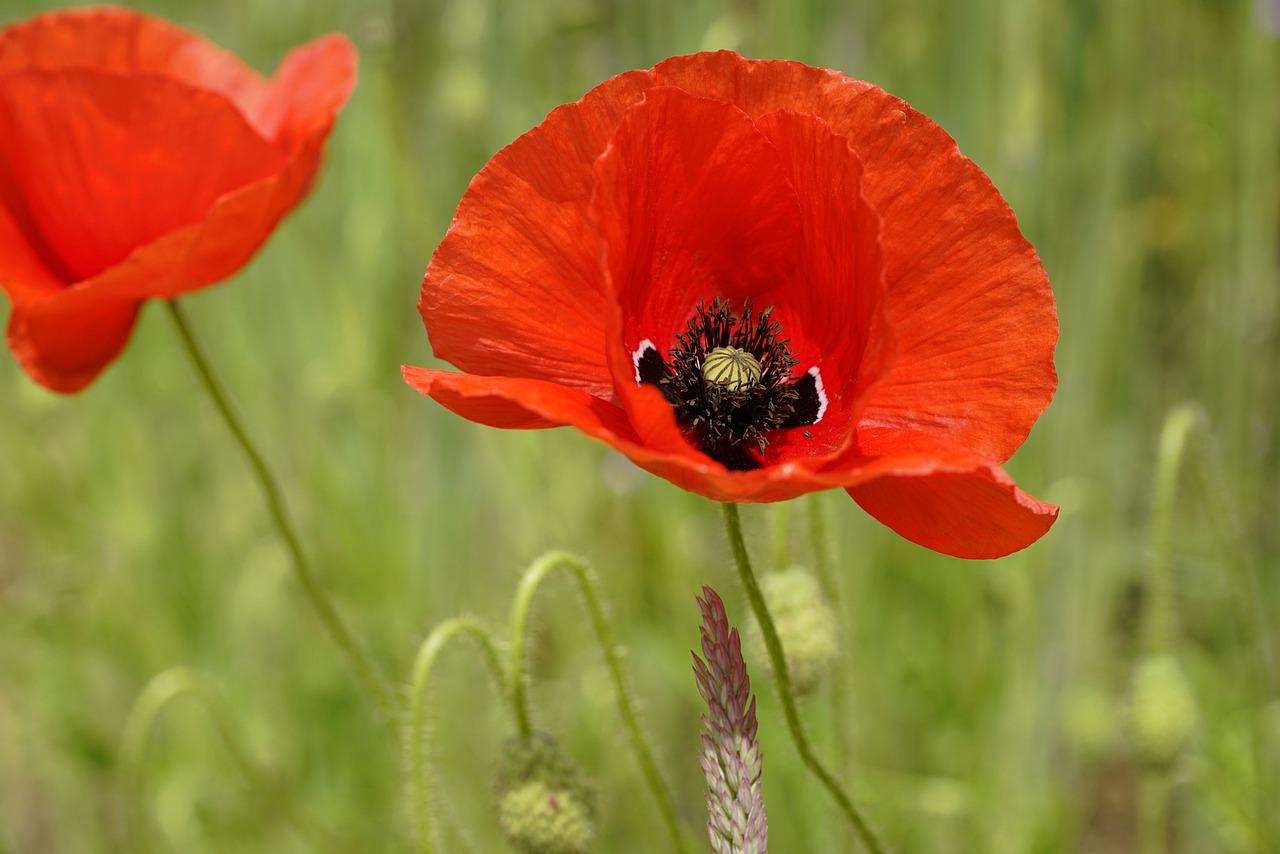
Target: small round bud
(806, 626)
(1164, 710)
(537, 819)
(732, 368)
(545, 805)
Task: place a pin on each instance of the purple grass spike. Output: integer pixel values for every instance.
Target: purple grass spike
(730, 752)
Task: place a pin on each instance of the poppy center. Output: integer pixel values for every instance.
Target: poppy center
(729, 380)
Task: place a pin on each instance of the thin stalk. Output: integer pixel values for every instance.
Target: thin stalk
(782, 677)
(374, 686)
(428, 653)
(1251, 599)
(581, 575)
(822, 561)
(143, 718)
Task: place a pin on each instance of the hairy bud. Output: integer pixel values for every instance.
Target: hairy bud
(1164, 710)
(545, 805)
(806, 626)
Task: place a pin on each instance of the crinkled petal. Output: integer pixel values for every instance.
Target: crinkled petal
(969, 302)
(831, 306)
(514, 288)
(948, 499)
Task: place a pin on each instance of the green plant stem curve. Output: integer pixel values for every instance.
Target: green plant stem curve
(374, 686)
(782, 677)
(158, 695)
(428, 653)
(577, 569)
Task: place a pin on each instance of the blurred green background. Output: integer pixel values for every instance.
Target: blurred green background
(988, 704)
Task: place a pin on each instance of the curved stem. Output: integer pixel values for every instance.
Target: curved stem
(364, 669)
(158, 694)
(1159, 624)
(733, 526)
(428, 653)
(578, 570)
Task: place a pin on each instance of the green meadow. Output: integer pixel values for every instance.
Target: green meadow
(976, 707)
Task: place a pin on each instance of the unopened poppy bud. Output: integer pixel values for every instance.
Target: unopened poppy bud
(1164, 710)
(537, 819)
(806, 626)
(731, 367)
(545, 805)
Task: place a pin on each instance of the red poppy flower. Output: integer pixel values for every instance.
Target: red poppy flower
(756, 279)
(136, 161)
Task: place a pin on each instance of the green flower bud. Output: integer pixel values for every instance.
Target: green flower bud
(1164, 710)
(806, 626)
(537, 819)
(545, 804)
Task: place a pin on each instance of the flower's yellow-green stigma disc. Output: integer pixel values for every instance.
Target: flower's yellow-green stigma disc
(734, 369)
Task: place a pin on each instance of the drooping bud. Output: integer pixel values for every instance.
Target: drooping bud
(545, 805)
(1163, 711)
(806, 626)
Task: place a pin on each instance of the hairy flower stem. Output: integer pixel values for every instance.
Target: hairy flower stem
(428, 653)
(374, 685)
(158, 695)
(733, 527)
(581, 575)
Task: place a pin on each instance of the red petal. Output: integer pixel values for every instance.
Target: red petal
(692, 203)
(519, 403)
(978, 513)
(522, 404)
(997, 519)
(515, 287)
(94, 164)
(125, 42)
(950, 500)
(303, 96)
(124, 115)
(970, 304)
(65, 351)
(94, 311)
(830, 307)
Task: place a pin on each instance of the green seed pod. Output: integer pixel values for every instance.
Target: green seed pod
(807, 626)
(733, 368)
(537, 819)
(544, 803)
(1164, 710)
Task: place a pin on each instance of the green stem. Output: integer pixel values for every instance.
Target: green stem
(158, 694)
(1159, 625)
(1250, 599)
(822, 567)
(733, 526)
(364, 669)
(578, 570)
(427, 654)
